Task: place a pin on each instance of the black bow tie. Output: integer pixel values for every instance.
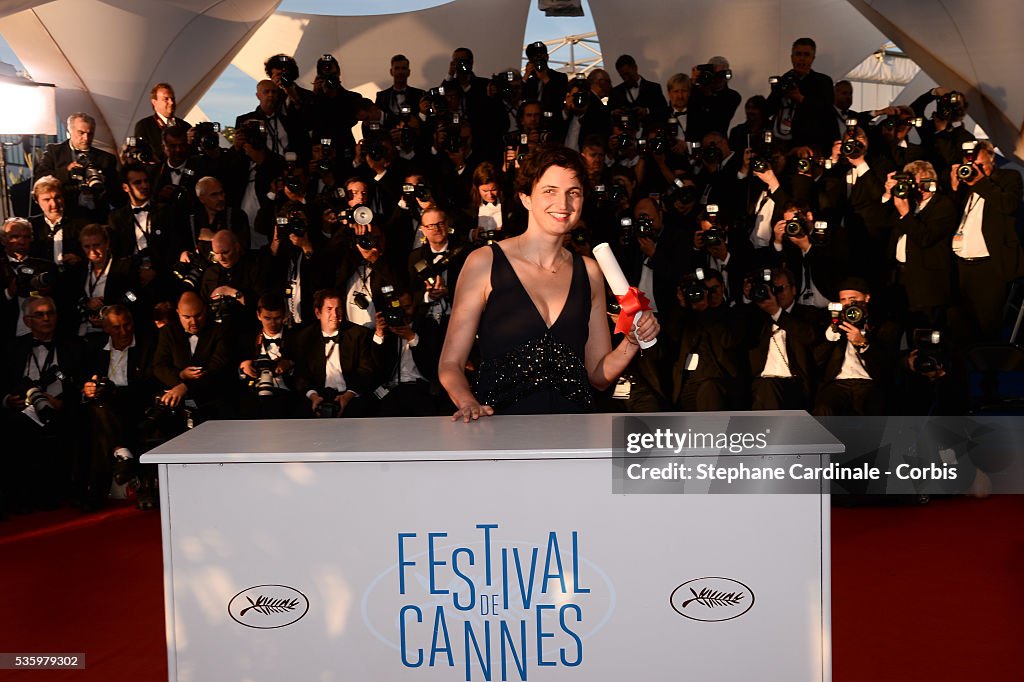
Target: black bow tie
(191, 336)
(141, 209)
(48, 345)
(267, 343)
(677, 114)
(329, 339)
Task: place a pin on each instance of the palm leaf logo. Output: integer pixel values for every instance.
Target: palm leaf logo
(267, 606)
(712, 599)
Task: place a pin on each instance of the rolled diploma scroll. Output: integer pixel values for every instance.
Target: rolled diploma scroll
(617, 281)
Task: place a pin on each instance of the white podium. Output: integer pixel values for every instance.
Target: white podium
(417, 549)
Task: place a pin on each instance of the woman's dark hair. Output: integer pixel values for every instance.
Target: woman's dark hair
(485, 174)
(537, 162)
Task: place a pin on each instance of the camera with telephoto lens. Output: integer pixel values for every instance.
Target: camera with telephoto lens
(191, 273)
(264, 382)
(855, 312)
(85, 177)
(952, 106)
(851, 146)
(207, 135)
(137, 150)
(967, 170)
(697, 290)
(763, 289)
(255, 132)
(759, 160)
(905, 186)
(293, 223)
(37, 397)
(392, 311)
(428, 271)
(28, 280)
(931, 351)
(783, 84)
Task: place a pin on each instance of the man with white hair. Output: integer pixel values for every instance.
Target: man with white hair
(74, 162)
(712, 102)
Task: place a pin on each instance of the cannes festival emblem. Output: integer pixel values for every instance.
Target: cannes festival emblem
(712, 599)
(266, 607)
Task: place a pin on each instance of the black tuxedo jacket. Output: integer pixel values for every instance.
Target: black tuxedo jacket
(879, 358)
(927, 274)
(151, 130)
(814, 119)
(164, 243)
(799, 347)
(597, 120)
(356, 356)
(69, 358)
(387, 100)
(173, 355)
(552, 97)
(160, 177)
(709, 113)
(55, 162)
(423, 253)
(1002, 191)
(72, 287)
(708, 335)
(42, 236)
(426, 353)
(142, 386)
(649, 96)
(295, 125)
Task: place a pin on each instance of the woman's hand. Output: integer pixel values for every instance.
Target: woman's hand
(646, 329)
(472, 410)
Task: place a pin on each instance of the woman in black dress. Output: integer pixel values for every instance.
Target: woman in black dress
(539, 310)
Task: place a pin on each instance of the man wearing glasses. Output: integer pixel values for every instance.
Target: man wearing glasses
(40, 403)
(434, 267)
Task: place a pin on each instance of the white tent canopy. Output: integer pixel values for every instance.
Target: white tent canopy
(106, 54)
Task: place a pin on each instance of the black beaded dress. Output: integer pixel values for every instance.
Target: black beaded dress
(527, 367)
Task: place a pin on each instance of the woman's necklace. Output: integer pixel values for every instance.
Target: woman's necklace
(560, 261)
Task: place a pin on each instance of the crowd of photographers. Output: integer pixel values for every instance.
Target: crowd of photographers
(809, 257)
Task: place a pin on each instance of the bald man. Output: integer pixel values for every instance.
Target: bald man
(286, 131)
(213, 213)
(233, 285)
(191, 360)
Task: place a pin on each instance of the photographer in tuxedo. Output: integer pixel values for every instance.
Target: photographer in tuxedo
(55, 235)
(89, 175)
(801, 102)
(150, 129)
(334, 362)
(100, 281)
(40, 374)
(412, 349)
(434, 267)
(191, 362)
(117, 393)
(22, 275)
(266, 369)
(400, 94)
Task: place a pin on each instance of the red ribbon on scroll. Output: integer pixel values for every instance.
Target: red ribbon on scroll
(632, 302)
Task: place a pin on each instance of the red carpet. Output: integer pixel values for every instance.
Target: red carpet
(929, 594)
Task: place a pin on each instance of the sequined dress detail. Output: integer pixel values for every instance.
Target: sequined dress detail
(527, 367)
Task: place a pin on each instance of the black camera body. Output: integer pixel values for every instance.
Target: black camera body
(763, 289)
(223, 308)
(37, 397)
(137, 150)
(705, 75)
(255, 132)
(292, 224)
(855, 313)
(86, 177)
(429, 271)
(711, 154)
(784, 83)
(191, 273)
(28, 280)
(684, 194)
(328, 409)
(207, 136)
(796, 227)
(951, 107)
(105, 388)
(967, 170)
(905, 186)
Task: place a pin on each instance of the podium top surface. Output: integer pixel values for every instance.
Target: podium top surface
(499, 437)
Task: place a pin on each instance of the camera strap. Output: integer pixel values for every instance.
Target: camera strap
(47, 362)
